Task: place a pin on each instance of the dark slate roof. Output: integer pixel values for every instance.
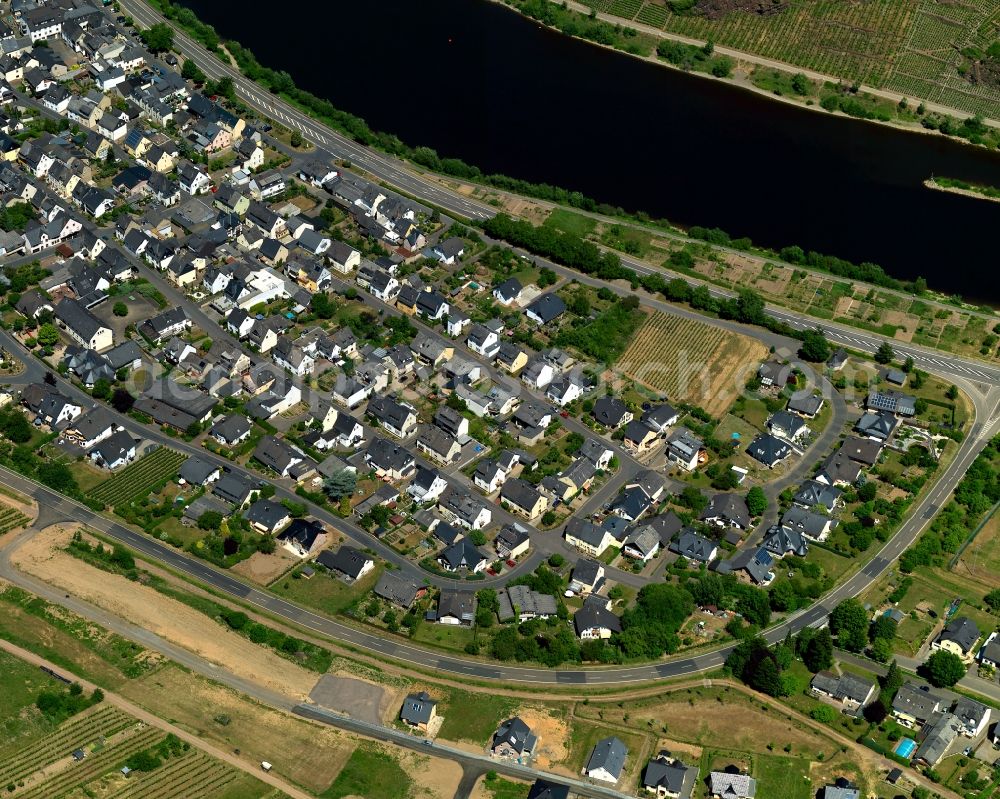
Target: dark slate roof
(196, 470)
(305, 531)
(543, 789)
(547, 307)
(347, 560)
(515, 733)
(609, 754)
(396, 589)
(595, 614)
(693, 546)
(417, 708)
(961, 630)
(609, 411)
(666, 774)
(266, 513)
(812, 492)
(462, 554)
(768, 450)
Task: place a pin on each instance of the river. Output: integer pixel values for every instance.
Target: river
(477, 81)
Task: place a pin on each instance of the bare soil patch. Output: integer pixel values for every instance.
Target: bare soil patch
(265, 569)
(686, 752)
(906, 324)
(42, 556)
(552, 732)
(309, 754)
(731, 723)
(433, 777)
(357, 698)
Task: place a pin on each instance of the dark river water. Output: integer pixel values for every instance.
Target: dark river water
(476, 81)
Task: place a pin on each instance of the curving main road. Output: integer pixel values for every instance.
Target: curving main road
(981, 382)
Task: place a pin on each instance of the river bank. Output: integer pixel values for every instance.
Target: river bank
(667, 149)
(869, 103)
(964, 189)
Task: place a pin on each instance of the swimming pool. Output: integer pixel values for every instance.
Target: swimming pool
(905, 747)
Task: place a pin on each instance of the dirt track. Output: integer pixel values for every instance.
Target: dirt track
(156, 721)
(41, 556)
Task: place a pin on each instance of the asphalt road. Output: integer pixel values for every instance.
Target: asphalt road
(979, 380)
(471, 762)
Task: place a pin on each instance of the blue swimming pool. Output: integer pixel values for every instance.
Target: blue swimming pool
(905, 747)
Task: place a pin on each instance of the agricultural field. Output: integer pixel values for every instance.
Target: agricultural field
(908, 46)
(11, 518)
(690, 361)
(108, 739)
(137, 479)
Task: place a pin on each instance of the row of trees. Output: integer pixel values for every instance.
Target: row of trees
(978, 490)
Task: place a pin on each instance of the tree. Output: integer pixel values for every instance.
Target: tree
(159, 38)
(849, 622)
(548, 518)
(580, 305)
(884, 353)
(882, 627)
(101, 389)
(192, 72)
(122, 401)
(891, 682)
(57, 476)
(48, 334)
(992, 598)
(323, 306)
(815, 348)
(868, 491)
(296, 139)
(210, 520)
(952, 392)
(193, 429)
(120, 309)
(800, 84)
(881, 649)
(693, 499)
(818, 654)
(908, 365)
(756, 501)
(340, 484)
(766, 677)
(477, 537)
(16, 427)
(943, 669)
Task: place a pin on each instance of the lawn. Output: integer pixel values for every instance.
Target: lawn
(19, 686)
(785, 777)
(174, 528)
(371, 773)
(753, 411)
(326, 592)
(499, 788)
(981, 559)
(570, 222)
(447, 636)
(832, 564)
(473, 717)
(933, 590)
(87, 476)
(69, 640)
(730, 424)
